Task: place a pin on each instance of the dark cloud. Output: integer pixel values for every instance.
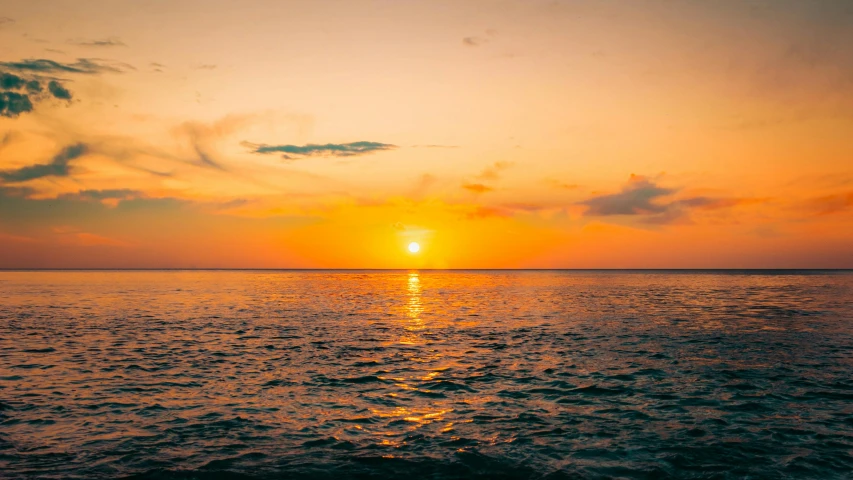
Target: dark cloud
(58, 91)
(636, 198)
(33, 86)
(19, 93)
(104, 42)
(6, 21)
(13, 104)
(59, 166)
(85, 66)
(9, 81)
(294, 152)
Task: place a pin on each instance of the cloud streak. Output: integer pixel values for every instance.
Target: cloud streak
(295, 152)
(84, 66)
(103, 42)
(477, 187)
(59, 166)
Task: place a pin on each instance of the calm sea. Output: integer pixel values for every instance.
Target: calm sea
(322, 374)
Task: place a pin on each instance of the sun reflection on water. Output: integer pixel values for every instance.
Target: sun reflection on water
(414, 310)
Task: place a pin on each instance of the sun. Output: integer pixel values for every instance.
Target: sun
(414, 247)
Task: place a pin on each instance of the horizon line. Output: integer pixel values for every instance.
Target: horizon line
(290, 269)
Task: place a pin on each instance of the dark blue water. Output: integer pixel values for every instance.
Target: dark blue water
(426, 375)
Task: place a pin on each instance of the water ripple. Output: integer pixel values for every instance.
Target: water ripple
(180, 375)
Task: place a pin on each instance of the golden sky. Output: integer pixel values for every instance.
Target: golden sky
(496, 134)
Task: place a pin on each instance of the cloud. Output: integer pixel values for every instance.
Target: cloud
(16, 192)
(474, 41)
(481, 212)
(9, 81)
(493, 172)
(477, 187)
(206, 67)
(203, 136)
(4, 21)
(7, 138)
(636, 198)
(109, 197)
(561, 185)
(18, 93)
(59, 166)
(84, 66)
(295, 152)
(830, 204)
(13, 104)
(58, 91)
(104, 42)
(643, 198)
(68, 235)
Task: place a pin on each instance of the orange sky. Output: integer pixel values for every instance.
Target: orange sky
(497, 134)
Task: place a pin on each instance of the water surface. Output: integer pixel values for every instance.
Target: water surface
(213, 374)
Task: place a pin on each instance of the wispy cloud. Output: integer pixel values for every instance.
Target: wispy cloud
(493, 171)
(643, 198)
(830, 204)
(560, 185)
(295, 152)
(477, 187)
(474, 41)
(109, 197)
(59, 166)
(206, 67)
(482, 212)
(6, 21)
(84, 66)
(103, 42)
(69, 235)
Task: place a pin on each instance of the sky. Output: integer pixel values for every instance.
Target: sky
(496, 134)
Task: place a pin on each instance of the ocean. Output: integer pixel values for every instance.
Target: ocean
(426, 374)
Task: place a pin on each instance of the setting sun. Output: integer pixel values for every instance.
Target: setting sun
(414, 247)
